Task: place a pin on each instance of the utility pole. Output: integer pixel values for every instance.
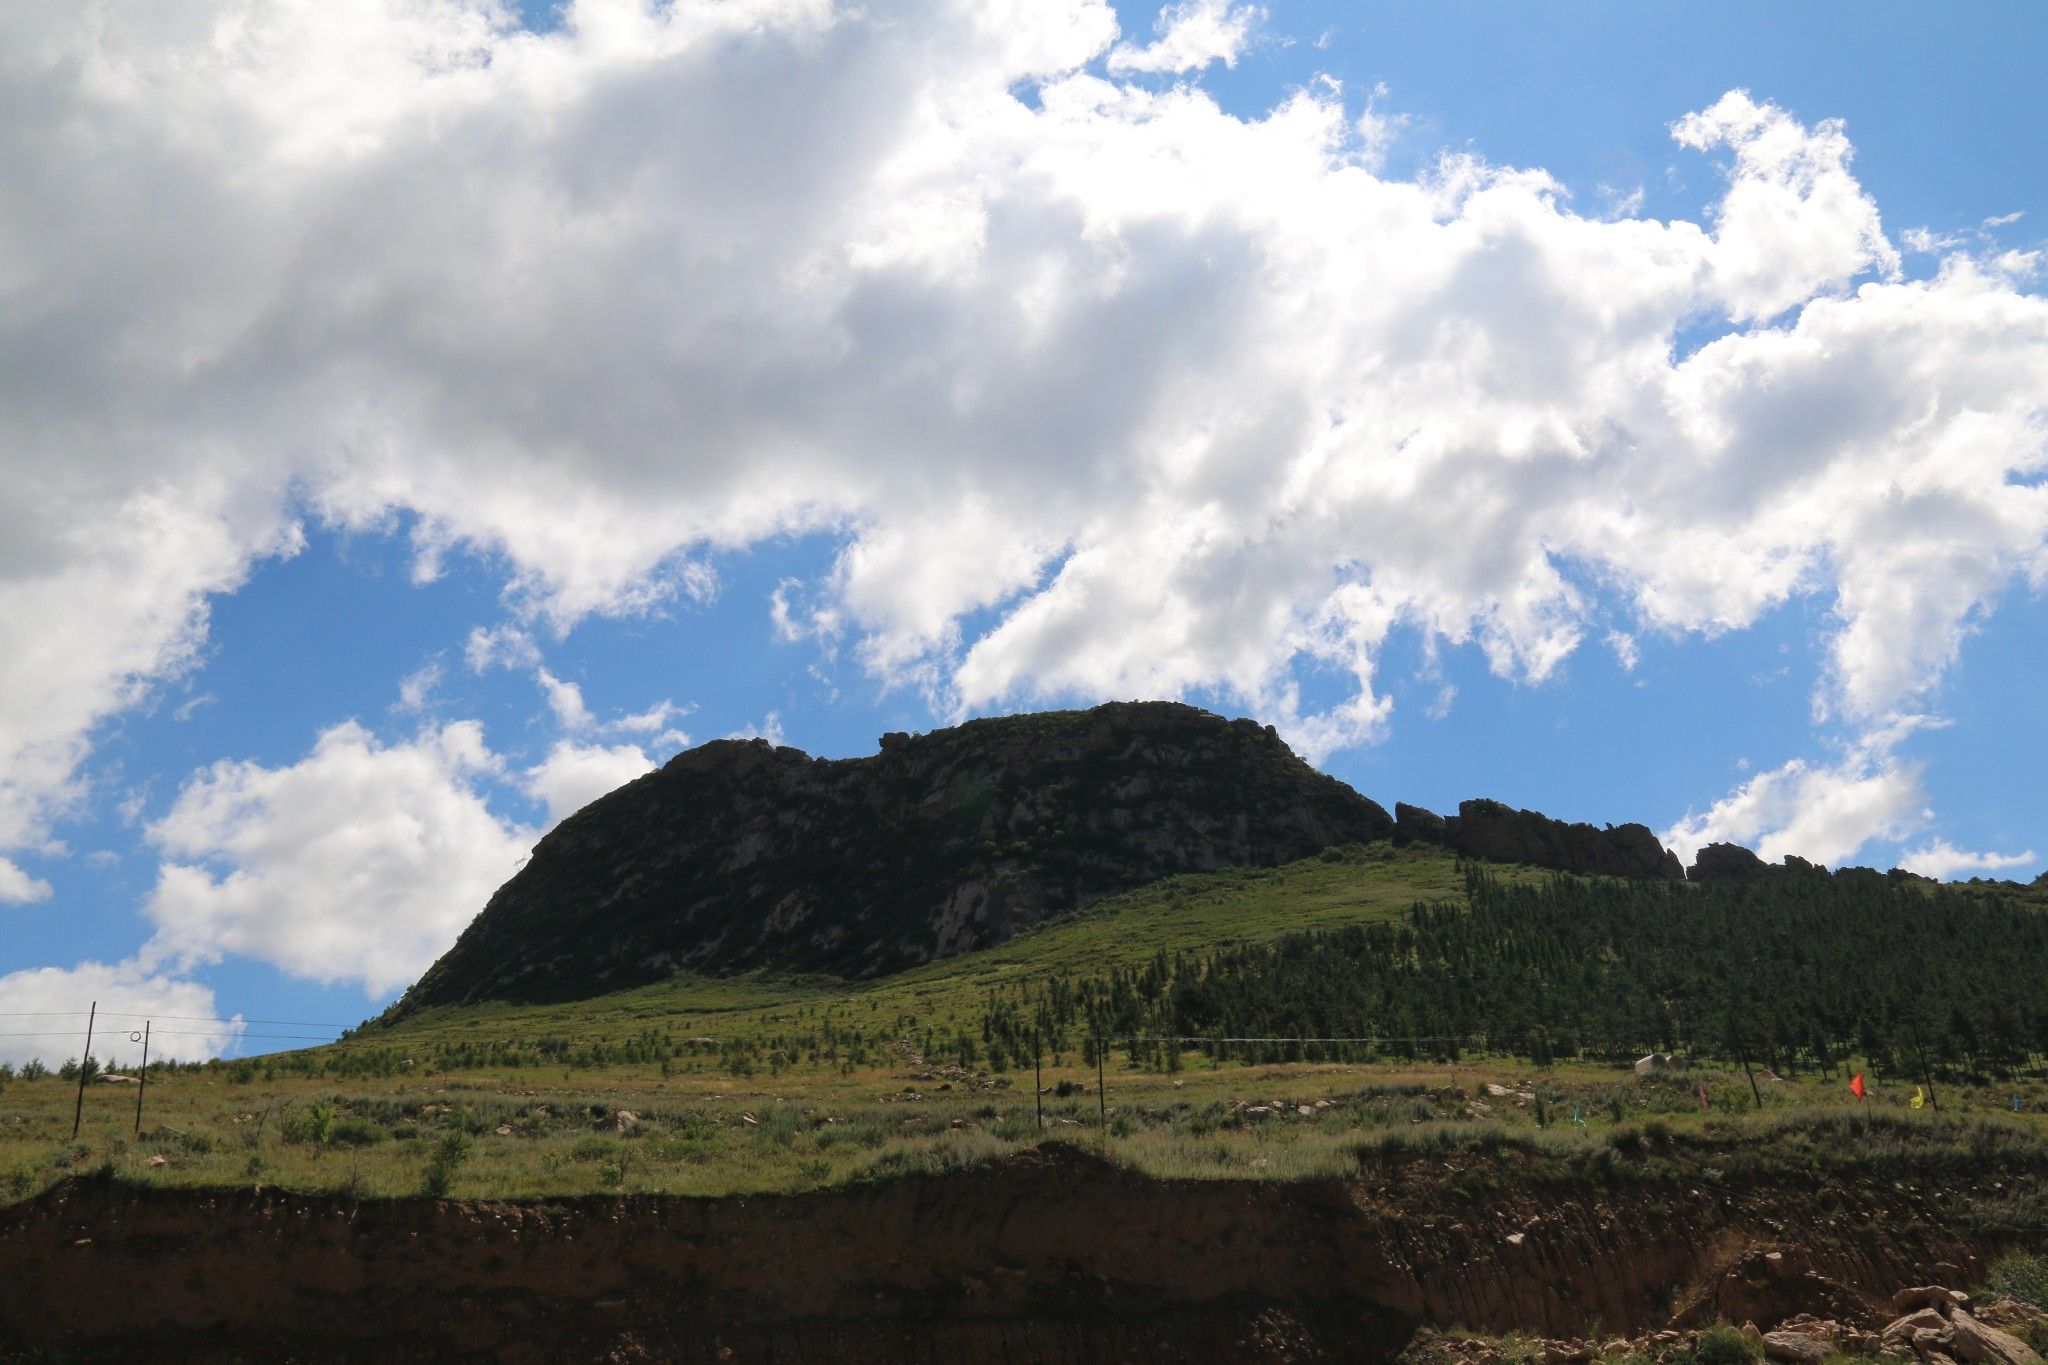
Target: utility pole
(1101, 1098)
(142, 1078)
(1743, 1052)
(78, 1113)
(1038, 1079)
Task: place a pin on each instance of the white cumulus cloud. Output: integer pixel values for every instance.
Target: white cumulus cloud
(573, 775)
(1103, 390)
(1943, 861)
(565, 699)
(48, 1007)
(359, 863)
(1192, 34)
(18, 888)
(1825, 813)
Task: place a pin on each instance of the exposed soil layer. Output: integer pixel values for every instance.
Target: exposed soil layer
(1052, 1256)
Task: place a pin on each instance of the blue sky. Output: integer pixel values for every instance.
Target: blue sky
(513, 450)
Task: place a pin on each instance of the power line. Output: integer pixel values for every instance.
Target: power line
(194, 1033)
(183, 1018)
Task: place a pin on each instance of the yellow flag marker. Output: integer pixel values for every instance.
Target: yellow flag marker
(1919, 1099)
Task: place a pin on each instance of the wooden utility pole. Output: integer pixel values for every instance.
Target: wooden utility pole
(1101, 1095)
(78, 1113)
(142, 1078)
(1038, 1079)
(1743, 1052)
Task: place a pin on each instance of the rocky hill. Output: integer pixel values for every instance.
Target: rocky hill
(740, 854)
(1502, 834)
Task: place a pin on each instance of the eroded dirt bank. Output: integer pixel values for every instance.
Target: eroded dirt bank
(1052, 1256)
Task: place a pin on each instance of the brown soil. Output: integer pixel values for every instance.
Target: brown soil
(1053, 1256)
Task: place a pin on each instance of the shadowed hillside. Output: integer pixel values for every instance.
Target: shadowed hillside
(740, 855)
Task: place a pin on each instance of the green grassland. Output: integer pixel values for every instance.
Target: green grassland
(767, 1084)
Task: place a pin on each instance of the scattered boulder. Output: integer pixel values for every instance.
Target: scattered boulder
(1797, 1348)
(1980, 1343)
(1924, 1319)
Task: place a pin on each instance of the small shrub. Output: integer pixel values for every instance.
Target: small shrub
(777, 1125)
(356, 1133)
(449, 1154)
(313, 1125)
(595, 1148)
(1724, 1345)
(191, 1141)
(612, 1174)
(854, 1133)
(2018, 1275)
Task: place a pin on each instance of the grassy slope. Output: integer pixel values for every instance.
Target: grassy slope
(702, 1130)
(1196, 912)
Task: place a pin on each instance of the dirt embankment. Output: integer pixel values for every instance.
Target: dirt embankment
(1054, 1256)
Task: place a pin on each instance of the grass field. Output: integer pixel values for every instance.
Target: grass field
(516, 1134)
(807, 1084)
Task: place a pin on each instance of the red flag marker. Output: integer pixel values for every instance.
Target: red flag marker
(1703, 1095)
(1856, 1086)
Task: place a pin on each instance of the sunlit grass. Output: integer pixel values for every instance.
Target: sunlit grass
(526, 1136)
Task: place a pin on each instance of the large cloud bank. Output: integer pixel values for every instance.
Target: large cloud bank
(1107, 392)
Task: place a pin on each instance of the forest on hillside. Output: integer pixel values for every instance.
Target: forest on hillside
(1795, 970)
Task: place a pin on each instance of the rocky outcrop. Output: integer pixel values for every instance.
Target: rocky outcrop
(1502, 834)
(1414, 825)
(1726, 863)
(740, 855)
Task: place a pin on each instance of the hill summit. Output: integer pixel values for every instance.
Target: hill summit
(740, 854)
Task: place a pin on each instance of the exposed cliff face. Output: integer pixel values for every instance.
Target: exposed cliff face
(1490, 830)
(739, 855)
(1052, 1256)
